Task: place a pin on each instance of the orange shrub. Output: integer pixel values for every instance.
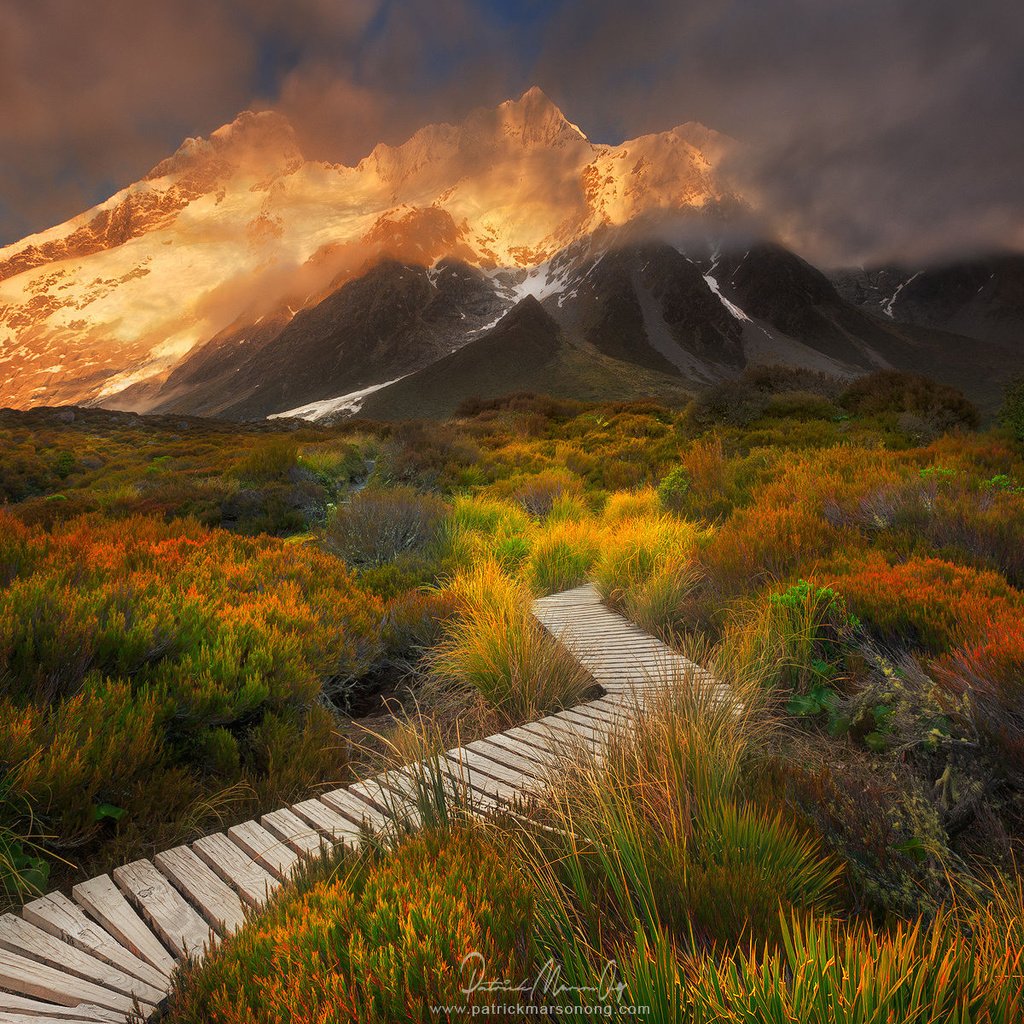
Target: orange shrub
(929, 602)
(769, 543)
(383, 942)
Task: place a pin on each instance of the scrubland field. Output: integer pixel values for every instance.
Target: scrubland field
(195, 618)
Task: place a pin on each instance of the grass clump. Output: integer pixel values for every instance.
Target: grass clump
(561, 556)
(495, 647)
(647, 569)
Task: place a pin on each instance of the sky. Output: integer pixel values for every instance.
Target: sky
(872, 130)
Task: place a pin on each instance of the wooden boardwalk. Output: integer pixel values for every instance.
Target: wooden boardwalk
(112, 946)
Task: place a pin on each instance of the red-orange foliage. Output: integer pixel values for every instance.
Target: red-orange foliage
(135, 649)
(928, 602)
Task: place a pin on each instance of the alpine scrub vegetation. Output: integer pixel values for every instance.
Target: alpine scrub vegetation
(493, 646)
(381, 939)
(152, 666)
(190, 620)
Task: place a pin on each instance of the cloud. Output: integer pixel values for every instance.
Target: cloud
(885, 128)
(92, 95)
(876, 130)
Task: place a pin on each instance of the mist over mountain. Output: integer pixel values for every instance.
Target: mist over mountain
(240, 279)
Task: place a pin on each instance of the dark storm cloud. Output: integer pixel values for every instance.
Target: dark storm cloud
(871, 129)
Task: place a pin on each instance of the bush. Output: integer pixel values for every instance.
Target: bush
(792, 638)
(377, 526)
(1011, 414)
(674, 490)
(269, 460)
(538, 493)
(938, 407)
(129, 647)
(415, 621)
(928, 603)
(741, 401)
(383, 940)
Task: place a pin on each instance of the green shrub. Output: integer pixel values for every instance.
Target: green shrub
(269, 460)
(673, 490)
(1011, 414)
(938, 407)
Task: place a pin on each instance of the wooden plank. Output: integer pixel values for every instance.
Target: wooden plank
(253, 882)
(574, 729)
(10, 1017)
(504, 756)
(396, 806)
(491, 762)
(24, 976)
(265, 848)
(10, 1003)
(18, 936)
(162, 905)
(543, 745)
(329, 822)
(211, 896)
(562, 735)
(542, 759)
(107, 904)
(356, 809)
(302, 838)
(468, 775)
(64, 919)
(608, 724)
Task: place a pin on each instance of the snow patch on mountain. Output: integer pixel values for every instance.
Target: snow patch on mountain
(887, 308)
(735, 310)
(344, 404)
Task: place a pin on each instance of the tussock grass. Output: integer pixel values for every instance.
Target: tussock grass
(658, 837)
(495, 647)
(562, 555)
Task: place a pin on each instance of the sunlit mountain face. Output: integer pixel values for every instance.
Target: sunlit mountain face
(240, 279)
(239, 227)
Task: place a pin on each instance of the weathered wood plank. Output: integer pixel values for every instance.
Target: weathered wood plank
(18, 936)
(107, 904)
(65, 920)
(511, 758)
(466, 774)
(391, 799)
(24, 976)
(198, 883)
(12, 1017)
(305, 840)
(265, 848)
(36, 1008)
(361, 812)
(253, 882)
(165, 908)
(335, 827)
(490, 763)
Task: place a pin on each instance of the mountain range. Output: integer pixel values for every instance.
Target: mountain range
(239, 279)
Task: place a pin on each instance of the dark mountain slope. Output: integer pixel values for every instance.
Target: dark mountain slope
(526, 351)
(391, 321)
(650, 305)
